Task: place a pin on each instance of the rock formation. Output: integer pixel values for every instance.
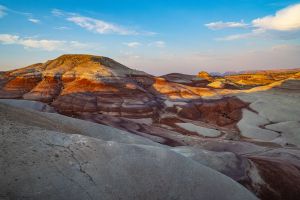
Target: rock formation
(42, 161)
(241, 125)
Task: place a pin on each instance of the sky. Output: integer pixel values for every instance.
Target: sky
(156, 36)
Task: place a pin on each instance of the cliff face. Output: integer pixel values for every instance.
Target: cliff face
(245, 114)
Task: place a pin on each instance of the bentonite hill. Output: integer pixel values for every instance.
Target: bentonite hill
(88, 127)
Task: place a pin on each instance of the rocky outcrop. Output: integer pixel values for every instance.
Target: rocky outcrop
(232, 119)
(220, 112)
(81, 83)
(184, 79)
(69, 153)
(42, 163)
(204, 75)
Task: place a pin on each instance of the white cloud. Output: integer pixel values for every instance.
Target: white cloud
(47, 45)
(159, 44)
(100, 26)
(132, 44)
(33, 20)
(57, 12)
(284, 25)
(2, 11)
(8, 39)
(254, 33)
(221, 25)
(286, 19)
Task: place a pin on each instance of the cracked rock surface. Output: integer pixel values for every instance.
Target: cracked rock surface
(38, 162)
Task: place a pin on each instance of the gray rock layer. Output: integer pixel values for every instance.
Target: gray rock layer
(38, 162)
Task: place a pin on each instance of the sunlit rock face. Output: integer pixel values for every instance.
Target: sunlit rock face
(204, 75)
(83, 83)
(18, 82)
(251, 119)
(258, 78)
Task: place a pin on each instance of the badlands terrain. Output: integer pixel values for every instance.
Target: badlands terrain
(88, 127)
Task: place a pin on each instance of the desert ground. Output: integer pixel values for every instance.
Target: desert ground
(88, 127)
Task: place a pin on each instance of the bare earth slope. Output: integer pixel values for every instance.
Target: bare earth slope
(44, 163)
(246, 126)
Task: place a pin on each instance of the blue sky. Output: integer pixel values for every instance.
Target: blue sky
(155, 36)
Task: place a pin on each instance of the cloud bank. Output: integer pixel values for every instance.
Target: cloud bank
(287, 19)
(33, 20)
(46, 45)
(284, 24)
(100, 26)
(221, 25)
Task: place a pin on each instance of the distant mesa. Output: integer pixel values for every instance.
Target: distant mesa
(204, 75)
